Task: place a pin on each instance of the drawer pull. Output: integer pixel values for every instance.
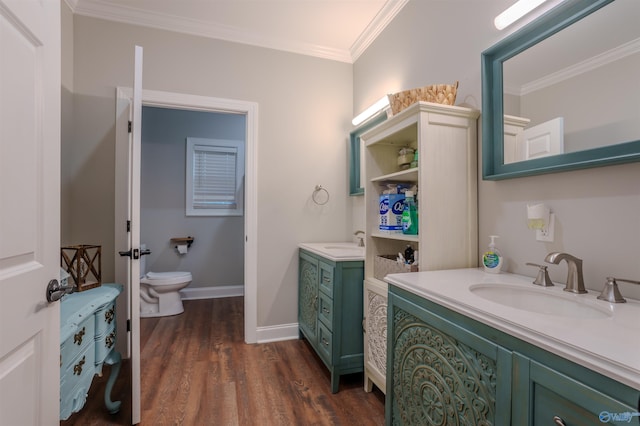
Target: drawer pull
(77, 338)
(108, 315)
(326, 279)
(325, 342)
(77, 369)
(325, 310)
(110, 340)
(558, 421)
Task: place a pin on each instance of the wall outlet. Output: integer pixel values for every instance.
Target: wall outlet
(546, 234)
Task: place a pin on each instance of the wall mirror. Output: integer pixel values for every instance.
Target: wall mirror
(356, 154)
(562, 92)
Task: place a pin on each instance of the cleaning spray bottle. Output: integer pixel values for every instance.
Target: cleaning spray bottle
(492, 259)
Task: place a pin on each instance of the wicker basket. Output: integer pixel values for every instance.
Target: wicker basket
(437, 93)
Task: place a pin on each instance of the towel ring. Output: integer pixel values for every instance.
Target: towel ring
(317, 194)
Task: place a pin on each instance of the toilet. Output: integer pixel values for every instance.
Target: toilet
(160, 292)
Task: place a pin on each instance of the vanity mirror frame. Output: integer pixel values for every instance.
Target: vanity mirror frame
(493, 167)
(356, 187)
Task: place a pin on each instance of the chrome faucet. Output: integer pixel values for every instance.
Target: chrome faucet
(575, 280)
(360, 239)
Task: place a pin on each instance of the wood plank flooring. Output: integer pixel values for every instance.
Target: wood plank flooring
(197, 370)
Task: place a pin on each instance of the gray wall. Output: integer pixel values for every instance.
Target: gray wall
(217, 256)
(597, 209)
(304, 117)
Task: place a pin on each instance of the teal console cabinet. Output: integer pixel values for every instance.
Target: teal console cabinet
(87, 341)
(330, 312)
(446, 368)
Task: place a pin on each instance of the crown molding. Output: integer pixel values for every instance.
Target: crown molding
(128, 15)
(612, 55)
(389, 11)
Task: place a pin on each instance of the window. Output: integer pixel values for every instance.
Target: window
(215, 174)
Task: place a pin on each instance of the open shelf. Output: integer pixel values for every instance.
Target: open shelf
(409, 175)
(401, 237)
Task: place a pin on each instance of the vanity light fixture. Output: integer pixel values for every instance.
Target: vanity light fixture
(374, 109)
(515, 12)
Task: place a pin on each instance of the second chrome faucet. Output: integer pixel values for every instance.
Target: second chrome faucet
(575, 280)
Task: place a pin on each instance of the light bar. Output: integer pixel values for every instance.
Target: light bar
(371, 111)
(515, 12)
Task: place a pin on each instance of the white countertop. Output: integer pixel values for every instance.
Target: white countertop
(338, 252)
(609, 345)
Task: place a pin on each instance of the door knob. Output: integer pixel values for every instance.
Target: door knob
(55, 291)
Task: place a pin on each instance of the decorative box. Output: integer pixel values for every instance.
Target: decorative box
(83, 263)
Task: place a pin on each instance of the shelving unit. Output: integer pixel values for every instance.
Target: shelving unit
(446, 140)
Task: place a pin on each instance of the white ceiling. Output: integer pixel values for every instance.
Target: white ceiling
(332, 29)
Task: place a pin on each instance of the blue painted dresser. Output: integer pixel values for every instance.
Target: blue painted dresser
(87, 341)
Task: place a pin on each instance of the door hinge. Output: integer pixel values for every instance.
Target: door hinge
(129, 126)
(128, 325)
(128, 226)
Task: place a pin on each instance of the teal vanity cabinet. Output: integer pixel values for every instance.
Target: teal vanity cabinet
(87, 341)
(446, 368)
(330, 312)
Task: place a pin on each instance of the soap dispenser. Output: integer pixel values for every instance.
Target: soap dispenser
(492, 259)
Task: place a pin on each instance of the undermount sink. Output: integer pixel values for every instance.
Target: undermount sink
(539, 301)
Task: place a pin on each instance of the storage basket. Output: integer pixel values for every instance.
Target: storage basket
(387, 264)
(437, 93)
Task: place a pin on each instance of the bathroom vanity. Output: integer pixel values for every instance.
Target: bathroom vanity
(87, 341)
(330, 305)
(476, 348)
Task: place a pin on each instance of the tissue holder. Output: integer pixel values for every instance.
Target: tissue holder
(182, 244)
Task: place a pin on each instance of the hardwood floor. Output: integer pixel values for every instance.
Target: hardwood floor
(197, 370)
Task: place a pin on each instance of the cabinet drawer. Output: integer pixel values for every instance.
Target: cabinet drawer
(77, 343)
(325, 343)
(326, 278)
(555, 394)
(79, 373)
(105, 343)
(325, 311)
(104, 318)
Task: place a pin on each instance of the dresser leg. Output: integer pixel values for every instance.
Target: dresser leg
(113, 359)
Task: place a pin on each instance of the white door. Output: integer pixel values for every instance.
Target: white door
(134, 197)
(29, 211)
(127, 214)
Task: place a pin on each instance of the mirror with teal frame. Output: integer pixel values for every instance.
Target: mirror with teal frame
(356, 187)
(493, 99)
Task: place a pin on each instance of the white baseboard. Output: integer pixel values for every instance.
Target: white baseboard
(276, 333)
(212, 292)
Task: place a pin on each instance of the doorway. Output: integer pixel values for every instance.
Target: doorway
(124, 103)
(216, 258)
(195, 103)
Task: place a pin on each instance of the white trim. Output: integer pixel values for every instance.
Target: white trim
(250, 110)
(627, 49)
(277, 333)
(373, 30)
(150, 19)
(215, 292)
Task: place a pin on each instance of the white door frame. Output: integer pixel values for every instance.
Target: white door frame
(204, 103)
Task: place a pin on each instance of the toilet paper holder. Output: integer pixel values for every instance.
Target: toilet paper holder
(182, 240)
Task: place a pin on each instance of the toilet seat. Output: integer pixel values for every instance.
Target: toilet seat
(166, 278)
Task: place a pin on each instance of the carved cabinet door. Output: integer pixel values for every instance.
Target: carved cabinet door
(443, 374)
(308, 296)
(375, 335)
